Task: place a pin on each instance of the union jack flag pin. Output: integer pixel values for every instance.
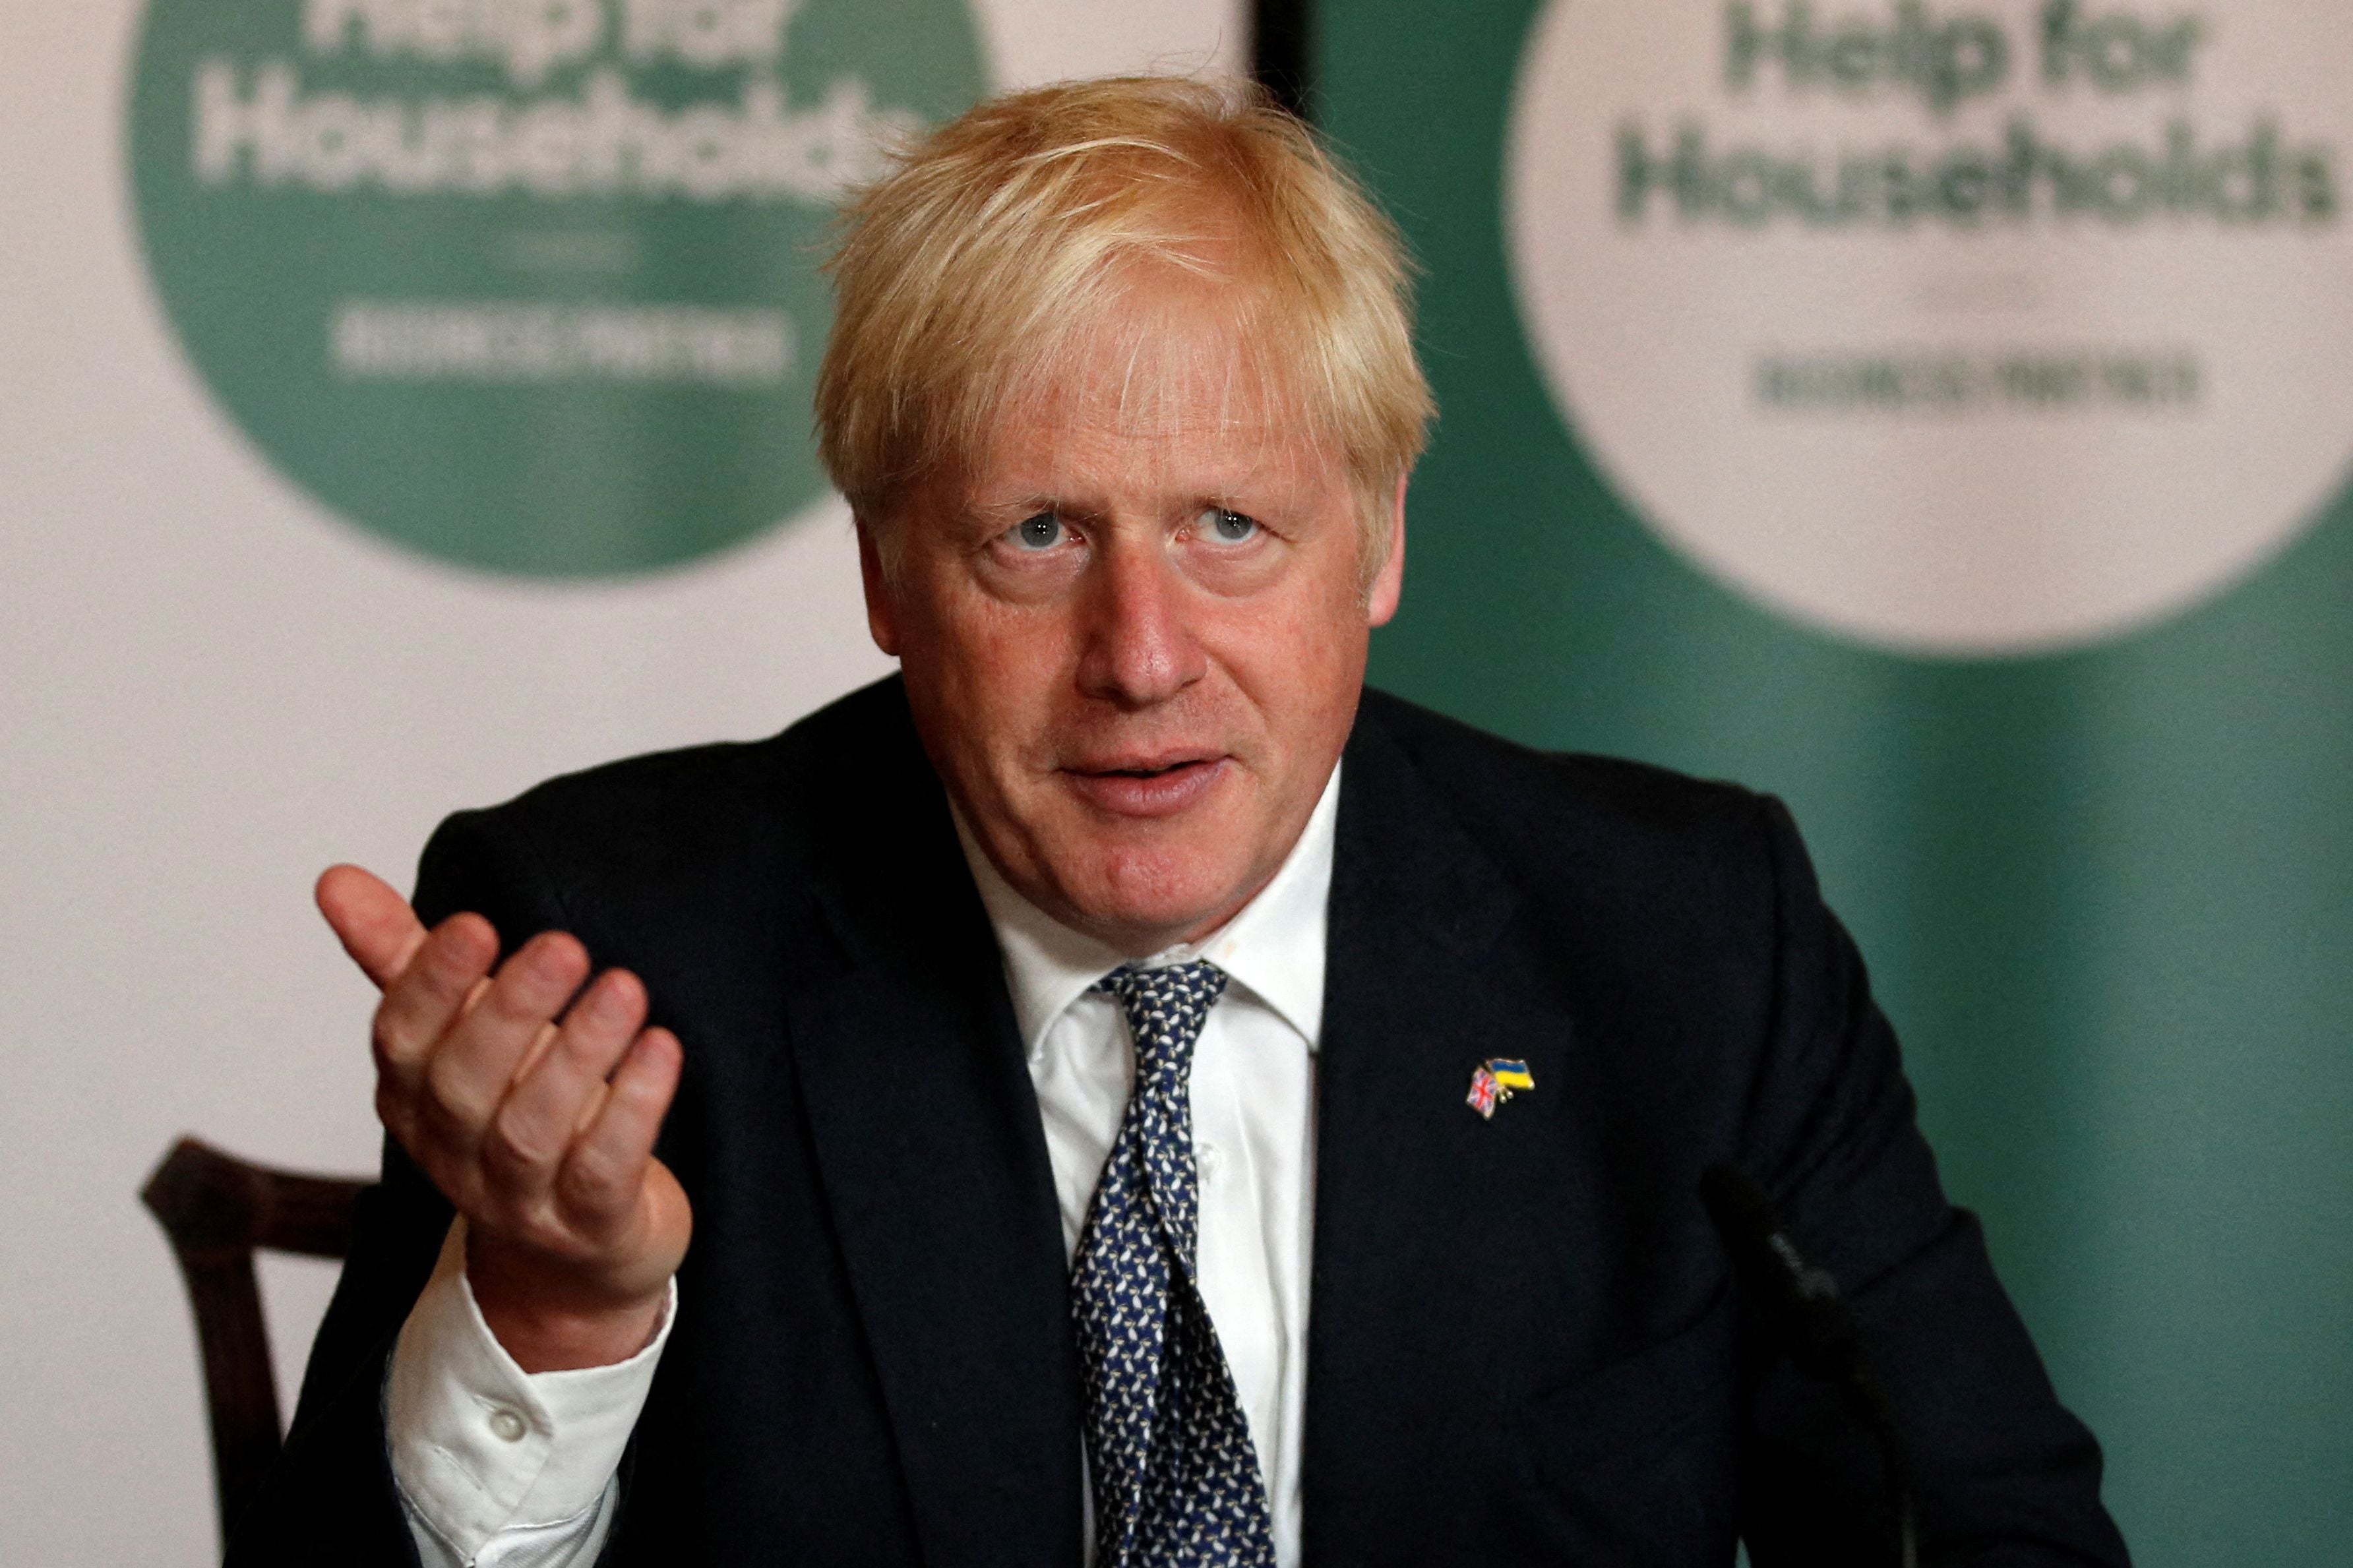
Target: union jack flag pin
(1493, 1082)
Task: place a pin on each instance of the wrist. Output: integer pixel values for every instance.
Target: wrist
(551, 1323)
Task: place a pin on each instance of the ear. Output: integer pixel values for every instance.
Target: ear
(1388, 584)
(881, 604)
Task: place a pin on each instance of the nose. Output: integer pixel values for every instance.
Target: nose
(1140, 647)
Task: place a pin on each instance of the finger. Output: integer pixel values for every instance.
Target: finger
(469, 1073)
(544, 1109)
(373, 922)
(599, 1179)
(436, 987)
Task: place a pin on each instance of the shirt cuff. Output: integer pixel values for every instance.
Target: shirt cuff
(478, 1444)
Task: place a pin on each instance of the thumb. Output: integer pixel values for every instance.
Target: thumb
(373, 922)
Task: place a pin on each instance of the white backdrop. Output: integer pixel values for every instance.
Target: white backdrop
(209, 690)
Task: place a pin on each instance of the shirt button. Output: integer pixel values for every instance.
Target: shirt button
(508, 1426)
(1209, 1159)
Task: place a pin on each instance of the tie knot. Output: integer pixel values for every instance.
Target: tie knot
(1166, 1008)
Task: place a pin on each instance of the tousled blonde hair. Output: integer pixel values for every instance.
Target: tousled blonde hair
(1003, 235)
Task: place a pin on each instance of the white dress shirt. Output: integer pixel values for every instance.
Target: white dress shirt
(501, 1469)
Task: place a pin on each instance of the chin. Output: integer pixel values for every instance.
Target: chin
(1158, 894)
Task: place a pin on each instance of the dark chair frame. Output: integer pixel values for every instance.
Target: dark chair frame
(218, 1210)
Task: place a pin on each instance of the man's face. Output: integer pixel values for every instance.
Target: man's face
(1134, 626)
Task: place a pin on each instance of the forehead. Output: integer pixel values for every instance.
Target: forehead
(1173, 371)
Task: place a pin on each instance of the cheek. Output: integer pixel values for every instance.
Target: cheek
(996, 671)
(1299, 660)
(1324, 618)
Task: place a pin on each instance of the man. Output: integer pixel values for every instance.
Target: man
(1028, 1040)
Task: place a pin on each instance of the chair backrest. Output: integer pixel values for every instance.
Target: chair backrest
(218, 1210)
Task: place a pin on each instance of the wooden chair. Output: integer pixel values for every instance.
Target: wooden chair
(217, 1209)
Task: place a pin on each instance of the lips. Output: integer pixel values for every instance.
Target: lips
(1146, 787)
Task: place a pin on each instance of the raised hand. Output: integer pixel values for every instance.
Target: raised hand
(537, 1120)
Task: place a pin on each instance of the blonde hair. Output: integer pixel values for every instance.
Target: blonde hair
(1002, 235)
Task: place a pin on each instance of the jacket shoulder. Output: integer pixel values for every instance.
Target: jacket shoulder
(1518, 802)
(667, 818)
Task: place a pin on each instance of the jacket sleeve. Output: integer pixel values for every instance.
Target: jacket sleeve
(332, 1499)
(2003, 1474)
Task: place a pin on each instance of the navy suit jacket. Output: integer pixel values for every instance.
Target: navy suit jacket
(1525, 1343)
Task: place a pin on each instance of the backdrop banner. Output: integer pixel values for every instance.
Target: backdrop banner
(1936, 411)
(406, 400)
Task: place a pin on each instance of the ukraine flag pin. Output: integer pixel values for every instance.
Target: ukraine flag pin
(1493, 1082)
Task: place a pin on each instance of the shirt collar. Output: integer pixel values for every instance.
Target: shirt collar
(1274, 945)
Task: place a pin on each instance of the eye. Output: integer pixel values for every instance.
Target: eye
(1042, 532)
(1227, 527)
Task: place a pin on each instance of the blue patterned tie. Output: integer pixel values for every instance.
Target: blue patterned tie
(1175, 1479)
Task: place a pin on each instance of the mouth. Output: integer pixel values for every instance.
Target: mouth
(1146, 787)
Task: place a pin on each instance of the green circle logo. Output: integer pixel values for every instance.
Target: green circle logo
(527, 285)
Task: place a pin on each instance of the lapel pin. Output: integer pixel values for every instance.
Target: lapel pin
(1492, 1084)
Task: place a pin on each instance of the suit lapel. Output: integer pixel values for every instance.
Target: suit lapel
(935, 1169)
(1418, 1292)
